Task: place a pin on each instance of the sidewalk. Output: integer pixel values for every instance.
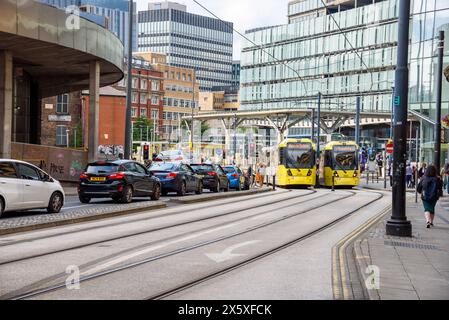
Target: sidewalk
(410, 268)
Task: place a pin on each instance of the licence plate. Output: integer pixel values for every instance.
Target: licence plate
(98, 179)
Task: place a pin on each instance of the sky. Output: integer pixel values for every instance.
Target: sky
(245, 14)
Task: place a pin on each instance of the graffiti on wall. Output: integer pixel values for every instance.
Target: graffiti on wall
(60, 163)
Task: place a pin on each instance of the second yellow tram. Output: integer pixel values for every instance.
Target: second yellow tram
(339, 164)
(297, 163)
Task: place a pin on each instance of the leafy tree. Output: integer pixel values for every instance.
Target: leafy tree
(141, 127)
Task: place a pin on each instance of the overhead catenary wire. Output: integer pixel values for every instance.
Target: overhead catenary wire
(255, 44)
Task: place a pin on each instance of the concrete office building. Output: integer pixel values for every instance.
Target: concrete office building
(112, 14)
(312, 47)
(41, 58)
(189, 41)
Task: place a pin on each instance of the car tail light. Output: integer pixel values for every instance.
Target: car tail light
(309, 173)
(120, 188)
(158, 159)
(83, 176)
(212, 173)
(172, 175)
(117, 176)
(178, 159)
(235, 175)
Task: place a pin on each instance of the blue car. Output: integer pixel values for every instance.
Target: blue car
(237, 179)
(176, 177)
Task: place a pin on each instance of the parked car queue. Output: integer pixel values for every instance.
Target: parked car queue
(24, 186)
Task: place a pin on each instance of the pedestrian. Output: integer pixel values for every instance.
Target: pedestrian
(249, 172)
(431, 189)
(380, 163)
(422, 171)
(414, 176)
(408, 175)
(262, 172)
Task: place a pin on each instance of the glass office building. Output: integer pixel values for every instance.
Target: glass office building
(189, 41)
(287, 66)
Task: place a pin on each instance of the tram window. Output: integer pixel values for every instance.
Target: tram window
(327, 159)
(345, 158)
(298, 156)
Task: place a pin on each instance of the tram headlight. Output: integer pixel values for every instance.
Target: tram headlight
(355, 174)
(336, 174)
(309, 173)
(289, 172)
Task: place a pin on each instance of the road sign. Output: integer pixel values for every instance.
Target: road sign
(389, 148)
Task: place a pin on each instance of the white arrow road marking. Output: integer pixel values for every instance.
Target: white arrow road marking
(227, 254)
(149, 249)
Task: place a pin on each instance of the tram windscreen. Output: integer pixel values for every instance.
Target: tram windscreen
(298, 155)
(345, 158)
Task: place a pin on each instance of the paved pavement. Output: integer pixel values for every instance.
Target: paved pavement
(410, 268)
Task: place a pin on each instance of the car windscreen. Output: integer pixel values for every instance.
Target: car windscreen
(229, 169)
(298, 155)
(163, 167)
(345, 158)
(202, 168)
(102, 168)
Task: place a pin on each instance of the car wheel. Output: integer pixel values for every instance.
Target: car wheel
(182, 192)
(56, 203)
(84, 199)
(200, 188)
(2, 207)
(127, 196)
(217, 188)
(156, 193)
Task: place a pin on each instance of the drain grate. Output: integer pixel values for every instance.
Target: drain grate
(411, 245)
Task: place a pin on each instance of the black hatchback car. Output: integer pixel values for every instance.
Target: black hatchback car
(176, 177)
(120, 180)
(214, 177)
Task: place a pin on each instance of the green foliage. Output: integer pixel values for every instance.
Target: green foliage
(143, 129)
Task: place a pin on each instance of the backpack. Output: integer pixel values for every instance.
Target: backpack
(430, 192)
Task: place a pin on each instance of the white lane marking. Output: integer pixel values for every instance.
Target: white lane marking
(227, 253)
(149, 249)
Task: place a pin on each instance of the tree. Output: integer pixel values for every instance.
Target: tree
(143, 130)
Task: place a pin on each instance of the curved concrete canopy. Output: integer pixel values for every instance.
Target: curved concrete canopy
(48, 44)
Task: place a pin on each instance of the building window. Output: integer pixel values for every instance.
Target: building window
(62, 105)
(155, 100)
(143, 99)
(143, 84)
(143, 112)
(61, 136)
(172, 74)
(190, 78)
(134, 112)
(166, 74)
(178, 75)
(135, 83)
(154, 114)
(134, 97)
(183, 77)
(155, 85)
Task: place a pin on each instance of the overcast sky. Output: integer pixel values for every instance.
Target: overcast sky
(245, 14)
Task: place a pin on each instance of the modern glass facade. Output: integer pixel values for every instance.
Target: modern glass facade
(190, 41)
(236, 73)
(115, 11)
(313, 48)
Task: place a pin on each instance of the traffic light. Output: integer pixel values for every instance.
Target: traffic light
(146, 152)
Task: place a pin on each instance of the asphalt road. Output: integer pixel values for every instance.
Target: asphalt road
(241, 241)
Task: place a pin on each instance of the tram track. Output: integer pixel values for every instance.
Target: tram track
(41, 291)
(167, 227)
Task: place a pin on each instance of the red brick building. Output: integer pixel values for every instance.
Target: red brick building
(147, 92)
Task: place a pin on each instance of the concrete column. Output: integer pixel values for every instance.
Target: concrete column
(94, 110)
(6, 101)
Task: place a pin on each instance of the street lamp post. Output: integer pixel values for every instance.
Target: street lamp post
(438, 101)
(193, 110)
(398, 225)
(128, 124)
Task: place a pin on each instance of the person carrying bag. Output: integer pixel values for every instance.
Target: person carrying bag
(431, 189)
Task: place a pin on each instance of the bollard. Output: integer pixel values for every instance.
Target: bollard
(378, 177)
(416, 185)
(274, 183)
(333, 182)
(372, 177)
(367, 177)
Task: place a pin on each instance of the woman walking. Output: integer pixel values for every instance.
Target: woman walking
(431, 189)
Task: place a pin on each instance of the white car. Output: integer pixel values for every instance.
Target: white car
(24, 186)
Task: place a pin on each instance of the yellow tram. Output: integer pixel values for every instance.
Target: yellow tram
(339, 162)
(297, 163)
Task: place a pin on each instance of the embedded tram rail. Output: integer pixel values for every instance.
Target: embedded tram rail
(309, 201)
